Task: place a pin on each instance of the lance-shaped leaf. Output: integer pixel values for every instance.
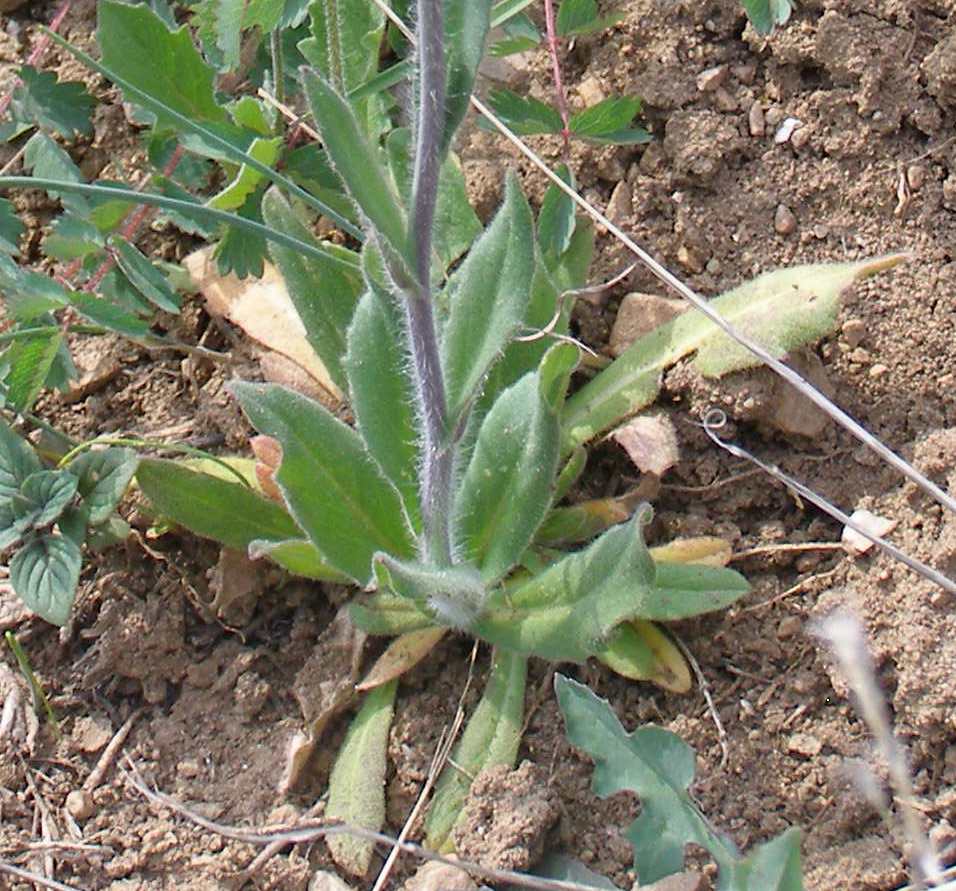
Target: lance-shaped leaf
(324, 294)
(509, 483)
(296, 555)
(103, 477)
(492, 737)
(357, 782)
(357, 162)
(387, 614)
(466, 27)
(782, 310)
(17, 461)
(30, 359)
(139, 47)
(659, 766)
(228, 512)
(487, 298)
(375, 366)
(44, 573)
(640, 651)
(143, 276)
(333, 488)
(401, 655)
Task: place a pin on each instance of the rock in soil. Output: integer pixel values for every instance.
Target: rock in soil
(440, 877)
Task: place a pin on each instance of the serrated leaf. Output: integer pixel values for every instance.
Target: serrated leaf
(556, 219)
(143, 276)
(72, 238)
(43, 496)
(466, 27)
(109, 315)
(524, 115)
(11, 228)
(103, 476)
(521, 35)
(62, 107)
(44, 573)
(17, 462)
(357, 782)
(28, 295)
(487, 298)
(46, 160)
(581, 17)
(380, 397)
(247, 179)
(491, 737)
(782, 310)
(137, 44)
(30, 359)
(765, 15)
(607, 120)
(659, 767)
(509, 483)
(213, 508)
(263, 14)
(324, 294)
(227, 25)
(333, 488)
(240, 251)
(356, 160)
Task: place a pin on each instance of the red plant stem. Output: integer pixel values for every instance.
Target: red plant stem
(560, 97)
(37, 53)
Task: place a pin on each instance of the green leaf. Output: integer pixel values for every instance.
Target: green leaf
(380, 397)
(659, 767)
(298, 556)
(72, 238)
(491, 737)
(782, 310)
(30, 359)
(324, 294)
(688, 583)
(140, 48)
(521, 35)
(608, 121)
(581, 17)
(227, 24)
(466, 27)
(357, 782)
(487, 298)
(345, 41)
(765, 15)
(247, 179)
(44, 573)
(11, 228)
(143, 276)
(333, 488)
(17, 462)
(104, 476)
(524, 115)
(43, 496)
(567, 869)
(264, 14)
(29, 295)
(556, 219)
(388, 615)
(109, 315)
(509, 483)
(565, 613)
(62, 107)
(356, 160)
(46, 160)
(240, 251)
(504, 10)
(213, 508)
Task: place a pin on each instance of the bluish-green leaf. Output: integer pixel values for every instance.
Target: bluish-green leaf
(509, 483)
(659, 766)
(357, 781)
(345, 41)
(521, 35)
(104, 476)
(72, 238)
(109, 315)
(487, 298)
(30, 359)
(140, 48)
(491, 738)
(46, 160)
(17, 461)
(356, 160)
(44, 574)
(524, 115)
(556, 219)
(375, 366)
(324, 294)
(565, 612)
(466, 27)
(62, 107)
(143, 276)
(333, 488)
(211, 507)
(765, 15)
(11, 228)
(227, 25)
(43, 496)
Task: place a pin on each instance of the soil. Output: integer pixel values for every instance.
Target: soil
(213, 700)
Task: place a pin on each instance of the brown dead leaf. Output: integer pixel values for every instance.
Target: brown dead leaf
(402, 654)
(263, 309)
(651, 443)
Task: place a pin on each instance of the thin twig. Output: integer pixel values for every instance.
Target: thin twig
(796, 546)
(668, 278)
(109, 753)
(296, 120)
(705, 689)
(799, 587)
(27, 876)
(302, 834)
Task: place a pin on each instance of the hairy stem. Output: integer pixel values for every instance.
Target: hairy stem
(560, 97)
(438, 459)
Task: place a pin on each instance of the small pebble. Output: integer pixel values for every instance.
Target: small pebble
(804, 744)
(860, 356)
(619, 208)
(878, 370)
(821, 231)
(79, 804)
(774, 116)
(327, 881)
(756, 121)
(789, 627)
(915, 176)
(712, 78)
(785, 130)
(724, 100)
(783, 220)
(188, 768)
(801, 136)
(590, 91)
(854, 331)
(436, 876)
(745, 73)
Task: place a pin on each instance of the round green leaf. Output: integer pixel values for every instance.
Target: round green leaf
(44, 573)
